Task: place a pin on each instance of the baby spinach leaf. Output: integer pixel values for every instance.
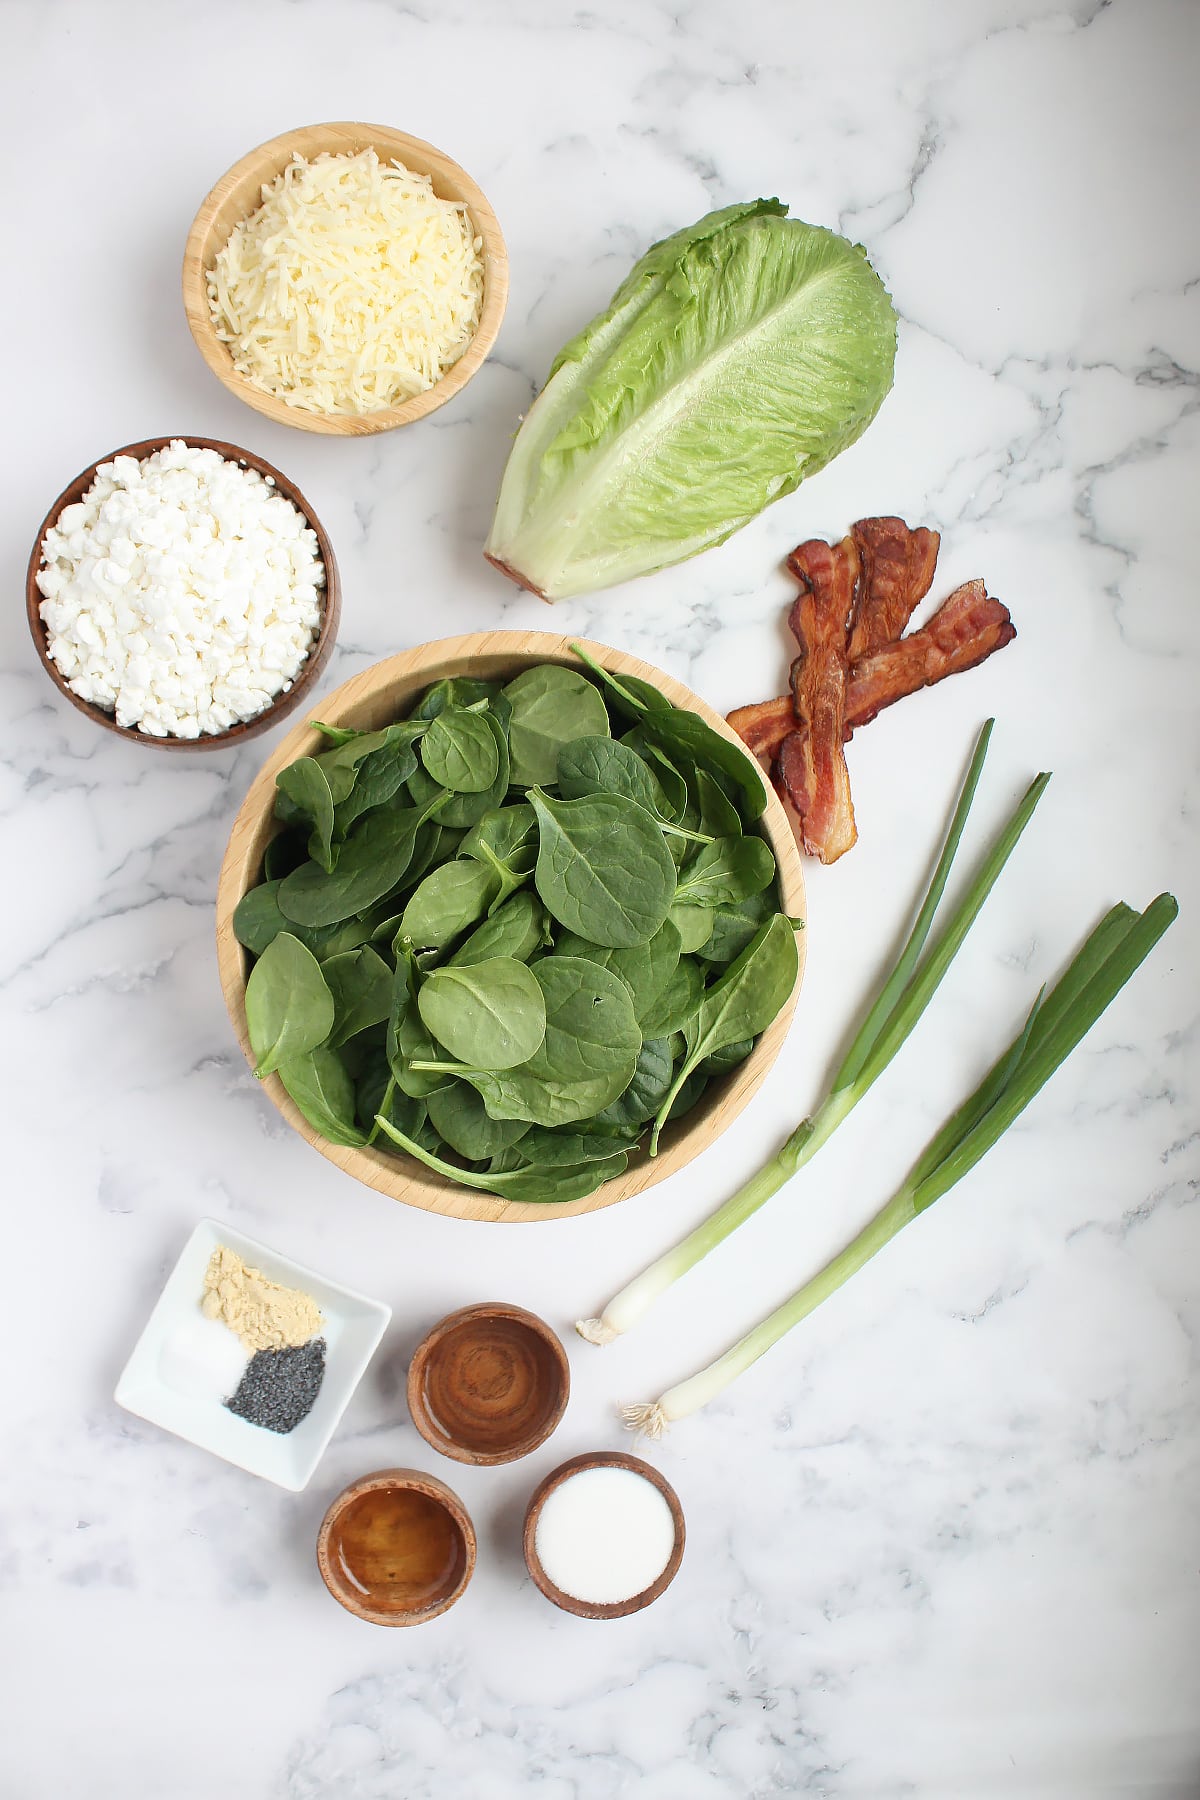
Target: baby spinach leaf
(372, 861)
(719, 817)
(464, 810)
(632, 695)
(445, 903)
(586, 1058)
(603, 869)
(321, 1088)
(694, 925)
(740, 1004)
(550, 707)
(734, 926)
(646, 1092)
(304, 784)
(725, 872)
(644, 968)
(687, 738)
(679, 1000)
(600, 765)
(563, 1149)
(289, 1009)
(460, 751)
(454, 691)
(674, 787)
(506, 841)
(490, 1015)
(537, 1184)
(257, 918)
(361, 984)
(721, 1061)
(517, 928)
(380, 776)
(460, 1118)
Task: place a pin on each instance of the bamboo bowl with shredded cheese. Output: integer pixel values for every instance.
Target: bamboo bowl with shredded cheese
(255, 316)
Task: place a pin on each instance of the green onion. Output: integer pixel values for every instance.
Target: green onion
(895, 1011)
(1116, 948)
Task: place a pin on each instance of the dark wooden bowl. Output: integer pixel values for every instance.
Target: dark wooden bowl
(488, 1384)
(284, 703)
(396, 1547)
(590, 1609)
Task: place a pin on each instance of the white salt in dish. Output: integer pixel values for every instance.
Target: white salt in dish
(604, 1535)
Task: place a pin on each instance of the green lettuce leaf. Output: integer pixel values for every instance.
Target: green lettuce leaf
(738, 357)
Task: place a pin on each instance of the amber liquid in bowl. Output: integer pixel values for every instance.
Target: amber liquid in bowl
(399, 1549)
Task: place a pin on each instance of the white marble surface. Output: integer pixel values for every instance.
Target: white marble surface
(944, 1542)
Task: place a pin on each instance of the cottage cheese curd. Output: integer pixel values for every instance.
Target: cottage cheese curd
(182, 593)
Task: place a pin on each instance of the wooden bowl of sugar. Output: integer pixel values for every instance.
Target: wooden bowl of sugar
(238, 195)
(604, 1535)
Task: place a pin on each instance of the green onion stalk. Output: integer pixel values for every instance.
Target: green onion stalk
(1116, 948)
(893, 1014)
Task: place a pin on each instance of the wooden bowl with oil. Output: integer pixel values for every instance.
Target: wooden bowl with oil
(239, 193)
(488, 1384)
(388, 691)
(396, 1547)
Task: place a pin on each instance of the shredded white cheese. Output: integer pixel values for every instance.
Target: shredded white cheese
(352, 288)
(182, 593)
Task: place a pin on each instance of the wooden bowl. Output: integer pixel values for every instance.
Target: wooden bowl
(488, 1384)
(385, 692)
(590, 1609)
(239, 193)
(283, 703)
(396, 1547)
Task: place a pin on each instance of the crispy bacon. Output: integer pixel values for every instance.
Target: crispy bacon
(763, 726)
(966, 629)
(897, 568)
(812, 764)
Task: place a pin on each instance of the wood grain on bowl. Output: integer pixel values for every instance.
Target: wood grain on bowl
(238, 194)
(284, 703)
(488, 1384)
(388, 691)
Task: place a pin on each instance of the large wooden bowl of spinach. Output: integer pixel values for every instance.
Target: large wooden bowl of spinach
(515, 930)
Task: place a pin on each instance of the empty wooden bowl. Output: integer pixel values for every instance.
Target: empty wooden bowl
(388, 691)
(592, 1609)
(239, 193)
(396, 1547)
(488, 1384)
(310, 669)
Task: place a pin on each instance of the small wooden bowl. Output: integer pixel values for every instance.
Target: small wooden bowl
(239, 193)
(283, 703)
(396, 1547)
(388, 691)
(589, 1609)
(488, 1384)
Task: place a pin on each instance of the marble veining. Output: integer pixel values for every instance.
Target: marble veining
(942, 1543)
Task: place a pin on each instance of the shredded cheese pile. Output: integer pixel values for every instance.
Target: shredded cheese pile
(353, 287)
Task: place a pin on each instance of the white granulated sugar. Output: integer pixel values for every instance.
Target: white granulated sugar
(181, 593)
(604, 1535)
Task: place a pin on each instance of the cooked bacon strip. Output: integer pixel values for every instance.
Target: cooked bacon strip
(763, 726)
(967, 627)
(812, 764)
(897, 572)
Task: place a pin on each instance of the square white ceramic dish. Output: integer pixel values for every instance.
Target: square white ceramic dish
(184, 1366)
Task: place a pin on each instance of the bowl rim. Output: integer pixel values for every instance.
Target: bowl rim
(264, 162)
(417, 1384)
(288, 698)
(598, 1609)
(417, 1481)
(418, 668)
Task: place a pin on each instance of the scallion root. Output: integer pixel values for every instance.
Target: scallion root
(595, 1331)
(648, 1421)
